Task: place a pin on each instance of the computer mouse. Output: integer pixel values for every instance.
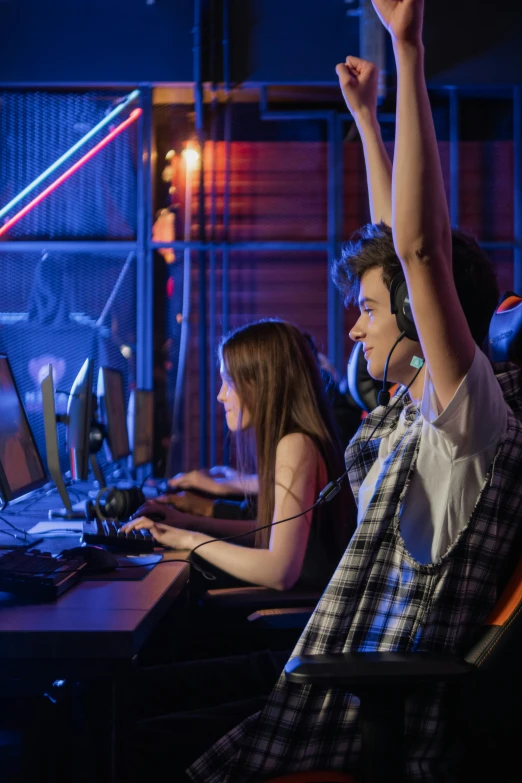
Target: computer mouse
(97, 558)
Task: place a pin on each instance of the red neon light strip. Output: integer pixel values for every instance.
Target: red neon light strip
(101, 144)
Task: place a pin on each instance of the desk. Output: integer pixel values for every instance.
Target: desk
(93, 631)
(101, 622)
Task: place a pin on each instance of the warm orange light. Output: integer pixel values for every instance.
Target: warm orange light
(191, 157)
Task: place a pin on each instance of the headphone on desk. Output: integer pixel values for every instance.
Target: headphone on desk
(401, 307)
(113, 503)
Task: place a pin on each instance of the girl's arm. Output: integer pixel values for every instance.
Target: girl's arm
(279, 566)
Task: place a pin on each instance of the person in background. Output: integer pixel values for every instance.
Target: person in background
(222, 492)
(275, 404)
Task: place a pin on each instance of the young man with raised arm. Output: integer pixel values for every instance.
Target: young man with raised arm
(439, 496)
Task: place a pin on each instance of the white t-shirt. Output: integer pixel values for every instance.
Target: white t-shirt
(456, 450)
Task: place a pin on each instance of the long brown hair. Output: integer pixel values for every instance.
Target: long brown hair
(277, 379)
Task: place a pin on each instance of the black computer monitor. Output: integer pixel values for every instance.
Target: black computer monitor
(21, 468)
(140, 424)
(111, 401)
(79, 415)
(52, 448)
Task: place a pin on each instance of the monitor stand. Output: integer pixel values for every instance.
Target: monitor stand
(78, 510)
(98, 472)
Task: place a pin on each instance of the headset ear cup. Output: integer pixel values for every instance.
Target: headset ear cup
(99, 509)
(400, 306)
(120, 503)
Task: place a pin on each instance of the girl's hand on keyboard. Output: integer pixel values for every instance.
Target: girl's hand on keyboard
(200, 480)
(166, 535)
(189, 502)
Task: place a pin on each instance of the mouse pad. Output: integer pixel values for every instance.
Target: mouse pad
(130, 568)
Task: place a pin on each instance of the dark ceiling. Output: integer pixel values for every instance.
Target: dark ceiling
(468, 42)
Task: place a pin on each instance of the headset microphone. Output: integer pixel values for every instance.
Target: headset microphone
(383, 397)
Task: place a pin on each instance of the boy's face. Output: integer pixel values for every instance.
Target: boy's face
(376, 328)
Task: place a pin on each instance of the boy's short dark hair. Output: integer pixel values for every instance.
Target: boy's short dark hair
(372, 246)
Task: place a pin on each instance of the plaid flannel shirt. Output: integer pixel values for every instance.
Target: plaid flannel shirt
(380, 598)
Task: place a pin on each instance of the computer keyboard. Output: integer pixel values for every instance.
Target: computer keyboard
(39, 576)
(108, 533)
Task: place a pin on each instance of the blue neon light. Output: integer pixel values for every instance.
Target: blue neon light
(114, 113)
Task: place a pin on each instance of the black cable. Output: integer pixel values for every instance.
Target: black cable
(13, 527)
(383, 398)
(325, 495)
(6, 532)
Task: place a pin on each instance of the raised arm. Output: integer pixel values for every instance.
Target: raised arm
(279, 566)
(421, 225)
(359, 84)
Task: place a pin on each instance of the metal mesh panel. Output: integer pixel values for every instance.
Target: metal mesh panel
(97, 201)
(50, 308)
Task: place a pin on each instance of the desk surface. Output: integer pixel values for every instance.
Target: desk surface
(93, 620)
(105, 620)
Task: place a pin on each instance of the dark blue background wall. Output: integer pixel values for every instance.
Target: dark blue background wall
(95, 40)
(468, 41)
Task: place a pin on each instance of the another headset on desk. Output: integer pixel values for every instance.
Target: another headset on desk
(113, 503)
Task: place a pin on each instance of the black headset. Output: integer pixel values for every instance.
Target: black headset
(113, 503)
(401, 307)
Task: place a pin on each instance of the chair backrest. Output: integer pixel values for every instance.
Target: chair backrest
(362, 387)
(503, 625)
(505, 330)
(487, 719)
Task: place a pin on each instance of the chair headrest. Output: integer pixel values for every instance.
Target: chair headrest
(363, 388)
(505, 330)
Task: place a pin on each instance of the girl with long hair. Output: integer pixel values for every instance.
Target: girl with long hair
(274, 401)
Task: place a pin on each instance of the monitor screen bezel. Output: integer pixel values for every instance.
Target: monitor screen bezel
(106, 414)
(52, 448)
(79, 453)
(133, 400)
(7, 493)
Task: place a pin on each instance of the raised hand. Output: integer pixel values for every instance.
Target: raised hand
(359, 80)
(402, 18)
